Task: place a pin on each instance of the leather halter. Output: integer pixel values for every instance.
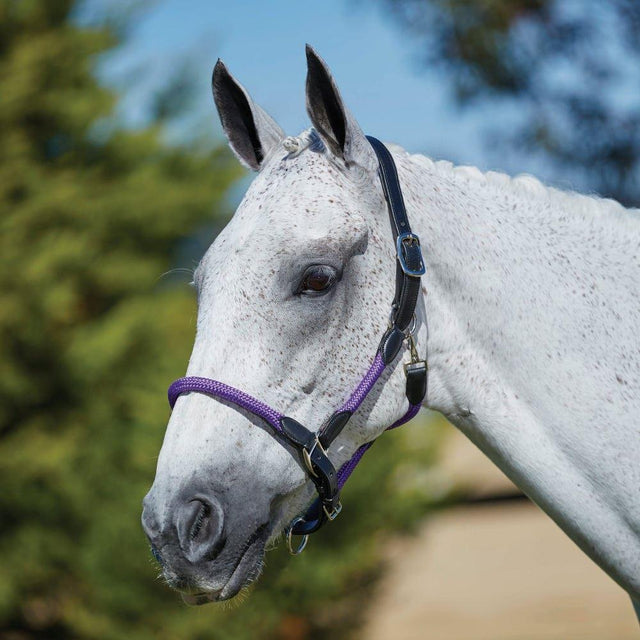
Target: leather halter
(310, 446)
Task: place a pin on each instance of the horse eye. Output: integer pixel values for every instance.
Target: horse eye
(317, 279)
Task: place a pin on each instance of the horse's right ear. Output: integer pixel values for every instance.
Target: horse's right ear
(251, 131)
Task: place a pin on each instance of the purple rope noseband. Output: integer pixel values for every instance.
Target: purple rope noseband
(312, 445)
(258, 408)
(224, 392)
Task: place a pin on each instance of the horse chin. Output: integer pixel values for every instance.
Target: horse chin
(247, 569)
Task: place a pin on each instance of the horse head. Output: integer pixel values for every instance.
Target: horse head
(293, 297)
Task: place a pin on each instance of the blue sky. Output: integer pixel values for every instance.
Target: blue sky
(262, 43)
(374, 62)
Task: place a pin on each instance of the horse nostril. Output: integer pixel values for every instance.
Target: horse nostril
(200, 524)
(201, 518)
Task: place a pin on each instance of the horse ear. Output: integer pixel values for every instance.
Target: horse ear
(331, 119)
(251, 131)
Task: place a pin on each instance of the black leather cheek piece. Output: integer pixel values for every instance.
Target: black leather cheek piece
(333, 428)
(299, 435)
(327, 479)
(416, 388)
(390, 344)
(324, 475)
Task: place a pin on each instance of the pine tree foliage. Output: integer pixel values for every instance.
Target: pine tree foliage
(88, 331)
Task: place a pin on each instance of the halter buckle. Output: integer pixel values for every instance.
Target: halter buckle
(404, 243)
(307, 453)
(334, 513)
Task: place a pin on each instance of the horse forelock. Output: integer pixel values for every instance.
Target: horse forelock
(308, 139)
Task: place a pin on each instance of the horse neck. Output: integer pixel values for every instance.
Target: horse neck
(480, 255)
(532, 311)
(517, 277)
(531, 302)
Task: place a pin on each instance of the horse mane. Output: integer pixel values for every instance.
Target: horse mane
(590, 205)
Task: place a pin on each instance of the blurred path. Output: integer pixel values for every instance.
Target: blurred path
(496, 572)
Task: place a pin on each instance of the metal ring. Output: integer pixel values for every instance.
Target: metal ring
(394, 308)
(412, 327)
(303, 542)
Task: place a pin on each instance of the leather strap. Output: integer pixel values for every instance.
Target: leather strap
(314, 458)
(409, 262)
(409, 268)
(391, 187)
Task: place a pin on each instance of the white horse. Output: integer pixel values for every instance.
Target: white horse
(532, 299)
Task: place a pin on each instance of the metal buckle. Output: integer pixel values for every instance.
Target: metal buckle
(409, 238)
(307, 456)
(295, 551)
(332, 515)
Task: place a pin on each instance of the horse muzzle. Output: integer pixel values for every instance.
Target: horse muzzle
(191, 544)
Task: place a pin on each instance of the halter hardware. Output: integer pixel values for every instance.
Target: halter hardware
(306, 454)
(312, 446)
(334, 513)
(406, 244)
(304, 538)
(413, 351)
(415, 372)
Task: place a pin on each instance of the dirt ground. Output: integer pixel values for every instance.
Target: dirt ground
(500, 571)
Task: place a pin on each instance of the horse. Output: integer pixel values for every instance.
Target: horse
(528, 311)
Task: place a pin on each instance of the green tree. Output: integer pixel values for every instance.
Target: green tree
(90, 217)
(570, 70)
(89, 333)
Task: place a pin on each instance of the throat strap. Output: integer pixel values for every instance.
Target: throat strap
(311, 446)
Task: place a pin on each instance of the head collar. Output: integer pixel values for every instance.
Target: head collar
(311, 446)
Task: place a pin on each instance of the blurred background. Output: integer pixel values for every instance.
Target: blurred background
(113, 181)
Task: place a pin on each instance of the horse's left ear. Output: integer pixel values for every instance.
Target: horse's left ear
(251, 131)
(331, 119)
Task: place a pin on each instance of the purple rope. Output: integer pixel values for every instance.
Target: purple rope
(248, 402)
(412, 412)
(366, 384)
(255, 406)
(224, 391)
(347, 468)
